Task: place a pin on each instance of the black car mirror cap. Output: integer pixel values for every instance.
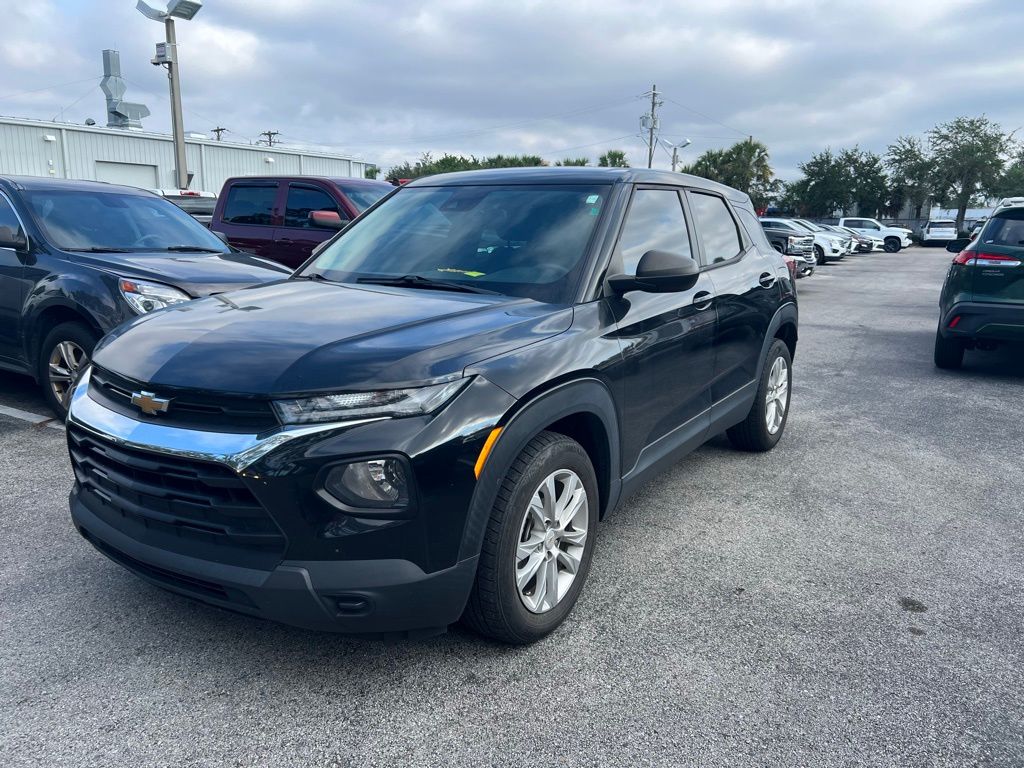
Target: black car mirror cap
(955, 246)
(13, 238)
(659, 272)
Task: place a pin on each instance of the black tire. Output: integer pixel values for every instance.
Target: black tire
(893, 245)
(949, 353)
(808, 272)
(777, 247)
(819, 255)
(78, 334)
(495, 608)
(752, 434)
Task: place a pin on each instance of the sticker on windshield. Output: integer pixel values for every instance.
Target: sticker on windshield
(593, 199)
(466, 272)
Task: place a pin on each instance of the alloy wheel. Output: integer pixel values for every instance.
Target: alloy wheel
(66, 362)
(552, 540)
(777, 398)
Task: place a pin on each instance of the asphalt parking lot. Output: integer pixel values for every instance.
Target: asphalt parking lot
(854, 597)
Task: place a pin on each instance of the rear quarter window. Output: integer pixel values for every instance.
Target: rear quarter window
(755, 230)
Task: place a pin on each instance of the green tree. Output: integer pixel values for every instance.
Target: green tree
(613, 158)
(825, 186)
(574, 161)
(969, 156)
(745, 166)
(869, 185)
(427, 165)
(371, 172)
(911, 171)
(1011, 183)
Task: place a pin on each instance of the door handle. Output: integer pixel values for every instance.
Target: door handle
(285, 240)
(767, 279)
(702, 300)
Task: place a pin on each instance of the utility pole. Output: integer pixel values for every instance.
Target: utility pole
(675, 158)
(270, 136)
(177, 121)
(218, 131)
(650, 122)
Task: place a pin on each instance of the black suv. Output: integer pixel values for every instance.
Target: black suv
(79, 257)
(429, 419)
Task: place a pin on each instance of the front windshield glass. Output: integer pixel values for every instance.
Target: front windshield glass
(808, 226)
(363, 197)
(518, 240)
(83, 220)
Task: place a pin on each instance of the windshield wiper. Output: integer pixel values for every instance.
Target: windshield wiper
(100, 249)
(427, 283)
(312, 276)
(190, 249)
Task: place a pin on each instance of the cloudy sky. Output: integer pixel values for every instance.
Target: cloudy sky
(387, 81)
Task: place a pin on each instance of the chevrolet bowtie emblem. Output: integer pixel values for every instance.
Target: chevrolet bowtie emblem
(149, 403)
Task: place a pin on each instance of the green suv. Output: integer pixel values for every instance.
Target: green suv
(982, 303)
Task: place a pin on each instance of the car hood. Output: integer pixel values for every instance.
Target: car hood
(299, 336)
(198, 274)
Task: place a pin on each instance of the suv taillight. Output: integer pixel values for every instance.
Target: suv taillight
(981, 259)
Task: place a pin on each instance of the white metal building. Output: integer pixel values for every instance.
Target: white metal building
(143, 159)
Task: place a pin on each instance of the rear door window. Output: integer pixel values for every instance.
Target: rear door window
(8, 218)
(302, 201)
(250, 204)
(716, 227)
(1006, 230)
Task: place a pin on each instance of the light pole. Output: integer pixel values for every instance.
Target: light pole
(675, 150)
(167, 55)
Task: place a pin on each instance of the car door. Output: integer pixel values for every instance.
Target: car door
(745, 282)
(298, 236)
(664, 376)
(12, 286)
(250, 216)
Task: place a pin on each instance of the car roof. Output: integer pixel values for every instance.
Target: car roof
(574, 175)
(335, 180)
(41, 183)
(354, 182)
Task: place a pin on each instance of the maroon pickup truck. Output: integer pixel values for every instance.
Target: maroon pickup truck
(284, 218)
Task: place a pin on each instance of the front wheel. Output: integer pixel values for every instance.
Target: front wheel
(63, 356)
(819, 255)
(766, 421)
(893, 245)
(538, 544)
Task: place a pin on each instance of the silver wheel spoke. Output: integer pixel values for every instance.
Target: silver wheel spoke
(552, 540)
(776, 399)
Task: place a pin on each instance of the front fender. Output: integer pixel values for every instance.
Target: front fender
(585, 395)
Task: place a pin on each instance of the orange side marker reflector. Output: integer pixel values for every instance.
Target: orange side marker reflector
(486, 451)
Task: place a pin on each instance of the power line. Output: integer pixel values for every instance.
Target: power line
(707, 117)
(92, 87)
(47, 88)
(271, 135)
(218, 131)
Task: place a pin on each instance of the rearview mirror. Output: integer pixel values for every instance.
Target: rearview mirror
(12, 238)
(659, 272)
(955, 246)
(326, 220)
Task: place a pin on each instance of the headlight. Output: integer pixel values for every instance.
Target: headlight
(375, 484)
(353, 405)
(144, 297)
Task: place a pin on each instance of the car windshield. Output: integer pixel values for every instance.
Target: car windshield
(363, 197)
(518, 240)
(1007, 229)
(88, 220)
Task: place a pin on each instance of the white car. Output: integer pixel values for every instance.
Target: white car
(938, 231)
(894, 238)
(828, 246)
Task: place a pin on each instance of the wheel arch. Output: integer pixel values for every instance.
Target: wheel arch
(784, 325)
(49, 317)
(582, 408)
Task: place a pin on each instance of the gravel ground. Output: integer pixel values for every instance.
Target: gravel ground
(854, 597)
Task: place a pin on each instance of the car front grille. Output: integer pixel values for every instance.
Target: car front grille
(193, 507)
(188, 409)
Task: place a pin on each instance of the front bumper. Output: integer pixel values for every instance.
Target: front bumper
(357, 596)
(983, 320)
(241, 521)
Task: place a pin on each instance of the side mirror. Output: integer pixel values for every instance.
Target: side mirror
(659, 272)
(13, 238)
(222, 236)
(326, 220)
(955, 246)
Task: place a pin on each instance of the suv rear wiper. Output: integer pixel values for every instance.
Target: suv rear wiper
(419, 281)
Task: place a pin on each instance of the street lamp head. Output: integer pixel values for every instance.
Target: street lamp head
(178, 9)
